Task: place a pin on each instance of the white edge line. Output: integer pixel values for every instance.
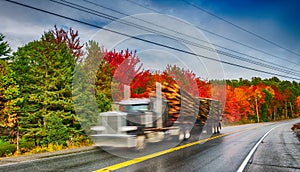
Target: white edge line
(243, 165)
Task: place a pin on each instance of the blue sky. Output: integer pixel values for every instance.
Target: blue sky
(276, 21)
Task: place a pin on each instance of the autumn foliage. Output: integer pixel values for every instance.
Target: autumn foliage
(243, 101)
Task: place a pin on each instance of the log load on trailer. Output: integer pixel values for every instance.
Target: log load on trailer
(169, 113)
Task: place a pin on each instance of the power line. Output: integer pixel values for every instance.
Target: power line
(169, 36)
(226, 38)
(148, 41)
(241, 28)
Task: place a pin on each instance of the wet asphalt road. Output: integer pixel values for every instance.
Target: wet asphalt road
(279, 151)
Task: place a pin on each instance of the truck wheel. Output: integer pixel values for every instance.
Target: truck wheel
(181, 136)
(218, 128)
(178, 138)
(187, 135)
(140, 143)
(215, 129)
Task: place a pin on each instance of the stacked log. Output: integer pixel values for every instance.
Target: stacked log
(209, 108)
(171, 92)
(182, 104)
(204, 108)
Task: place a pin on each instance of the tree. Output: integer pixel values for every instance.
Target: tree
(140, 84)
(231, 109)
(186, 79)
(297, 102)
(204, 88)
(70, 39)
(92, 86)
(266, 112)
(9, 101)
(44, 73)
(9, 95)
(57, 132)
(124, 68)
(276, 101)
(256, 99)
(242, 100)
(4, 47)
(99, 74)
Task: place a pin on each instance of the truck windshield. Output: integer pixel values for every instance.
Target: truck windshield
(141, 107)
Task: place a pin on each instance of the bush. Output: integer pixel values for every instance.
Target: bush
(79, 140)
(39, 149)
(57, 132)
(7, 149)
(26, 145)
(47, 148)
(4, 139)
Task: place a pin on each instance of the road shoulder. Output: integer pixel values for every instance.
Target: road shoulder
(279, 151)
(24, 158)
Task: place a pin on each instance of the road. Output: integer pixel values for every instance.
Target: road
(278, 151)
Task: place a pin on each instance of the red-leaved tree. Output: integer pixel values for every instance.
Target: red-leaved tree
(124, 68)
(231, 109)
(71, 39)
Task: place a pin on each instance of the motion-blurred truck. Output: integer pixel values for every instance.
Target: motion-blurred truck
(170, 113)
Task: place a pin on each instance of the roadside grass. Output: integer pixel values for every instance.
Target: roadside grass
(28, 147)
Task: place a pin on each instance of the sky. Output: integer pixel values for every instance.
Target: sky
(249, 38)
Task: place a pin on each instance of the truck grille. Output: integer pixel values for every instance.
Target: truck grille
(112, 124)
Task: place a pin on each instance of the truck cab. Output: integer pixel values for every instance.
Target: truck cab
(126, 127)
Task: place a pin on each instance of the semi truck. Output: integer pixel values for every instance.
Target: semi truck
(170, 113)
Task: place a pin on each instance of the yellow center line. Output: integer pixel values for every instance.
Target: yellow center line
(156, 154)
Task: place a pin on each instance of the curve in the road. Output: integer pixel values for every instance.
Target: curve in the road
(246, 160)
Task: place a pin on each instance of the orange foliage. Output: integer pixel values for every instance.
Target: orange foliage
(242, 98)
(298, 102)
(231, 109)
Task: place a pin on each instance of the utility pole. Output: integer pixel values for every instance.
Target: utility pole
(158, 105)
(291, 109)
(286, 112)
(256, 108)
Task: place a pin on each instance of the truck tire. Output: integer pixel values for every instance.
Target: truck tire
(179, 138)
(215, 128)
(187, 134)
(141, 142)
(219, 128)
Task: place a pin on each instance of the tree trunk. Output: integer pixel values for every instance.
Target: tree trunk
(275, 113)
(18, 139)
(291, 109)
(256, 108)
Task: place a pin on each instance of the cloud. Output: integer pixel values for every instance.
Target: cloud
(21, 25)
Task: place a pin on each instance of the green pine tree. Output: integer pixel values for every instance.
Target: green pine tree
(4, 47)
(45, 72)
